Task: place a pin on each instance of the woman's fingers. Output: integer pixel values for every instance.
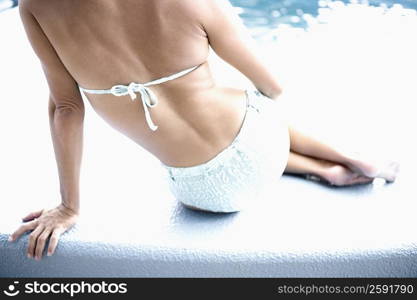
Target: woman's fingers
(32, 215)
(40, 243)
(38, 238)
(46, 224)
(53, 241)
(22, 229)
(33, 239)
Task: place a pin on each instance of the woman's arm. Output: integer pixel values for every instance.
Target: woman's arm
(66, 115)
(232, 42)
(66, 125)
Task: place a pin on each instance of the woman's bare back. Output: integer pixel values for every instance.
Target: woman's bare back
(107, 42)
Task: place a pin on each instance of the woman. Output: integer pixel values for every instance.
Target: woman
(143, 67)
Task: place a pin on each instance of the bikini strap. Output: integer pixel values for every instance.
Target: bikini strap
(171, 77)
(148, 98)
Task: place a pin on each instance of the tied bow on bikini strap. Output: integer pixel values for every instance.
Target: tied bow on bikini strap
(149, 99)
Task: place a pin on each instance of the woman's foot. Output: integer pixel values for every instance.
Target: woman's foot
(338, 175)
(386, 170)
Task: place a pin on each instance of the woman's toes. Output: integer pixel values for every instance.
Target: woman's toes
(370, 167)
(390, 171)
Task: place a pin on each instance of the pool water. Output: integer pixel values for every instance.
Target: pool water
(6, 4)
(270, 13)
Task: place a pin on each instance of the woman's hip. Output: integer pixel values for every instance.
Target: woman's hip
(235, 176)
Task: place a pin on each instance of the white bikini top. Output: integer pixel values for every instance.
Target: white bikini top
(148, 97)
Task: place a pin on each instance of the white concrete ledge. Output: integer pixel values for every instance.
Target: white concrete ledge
(316, 232)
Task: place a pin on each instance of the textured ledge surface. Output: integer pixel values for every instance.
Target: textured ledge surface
(303, 229)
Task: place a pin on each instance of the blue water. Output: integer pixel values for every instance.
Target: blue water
(6, 4)
(270, 13)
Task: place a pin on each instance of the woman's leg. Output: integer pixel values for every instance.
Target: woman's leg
(333, 173)
(308, 146)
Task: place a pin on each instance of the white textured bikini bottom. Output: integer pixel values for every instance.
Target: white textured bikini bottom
(234, 177)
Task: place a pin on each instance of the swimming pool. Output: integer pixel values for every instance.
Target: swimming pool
(5, 4)
(270, 13)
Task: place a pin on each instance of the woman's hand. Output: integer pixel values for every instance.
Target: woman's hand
(45, 224)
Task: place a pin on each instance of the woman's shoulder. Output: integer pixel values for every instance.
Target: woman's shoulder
(30, 4)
